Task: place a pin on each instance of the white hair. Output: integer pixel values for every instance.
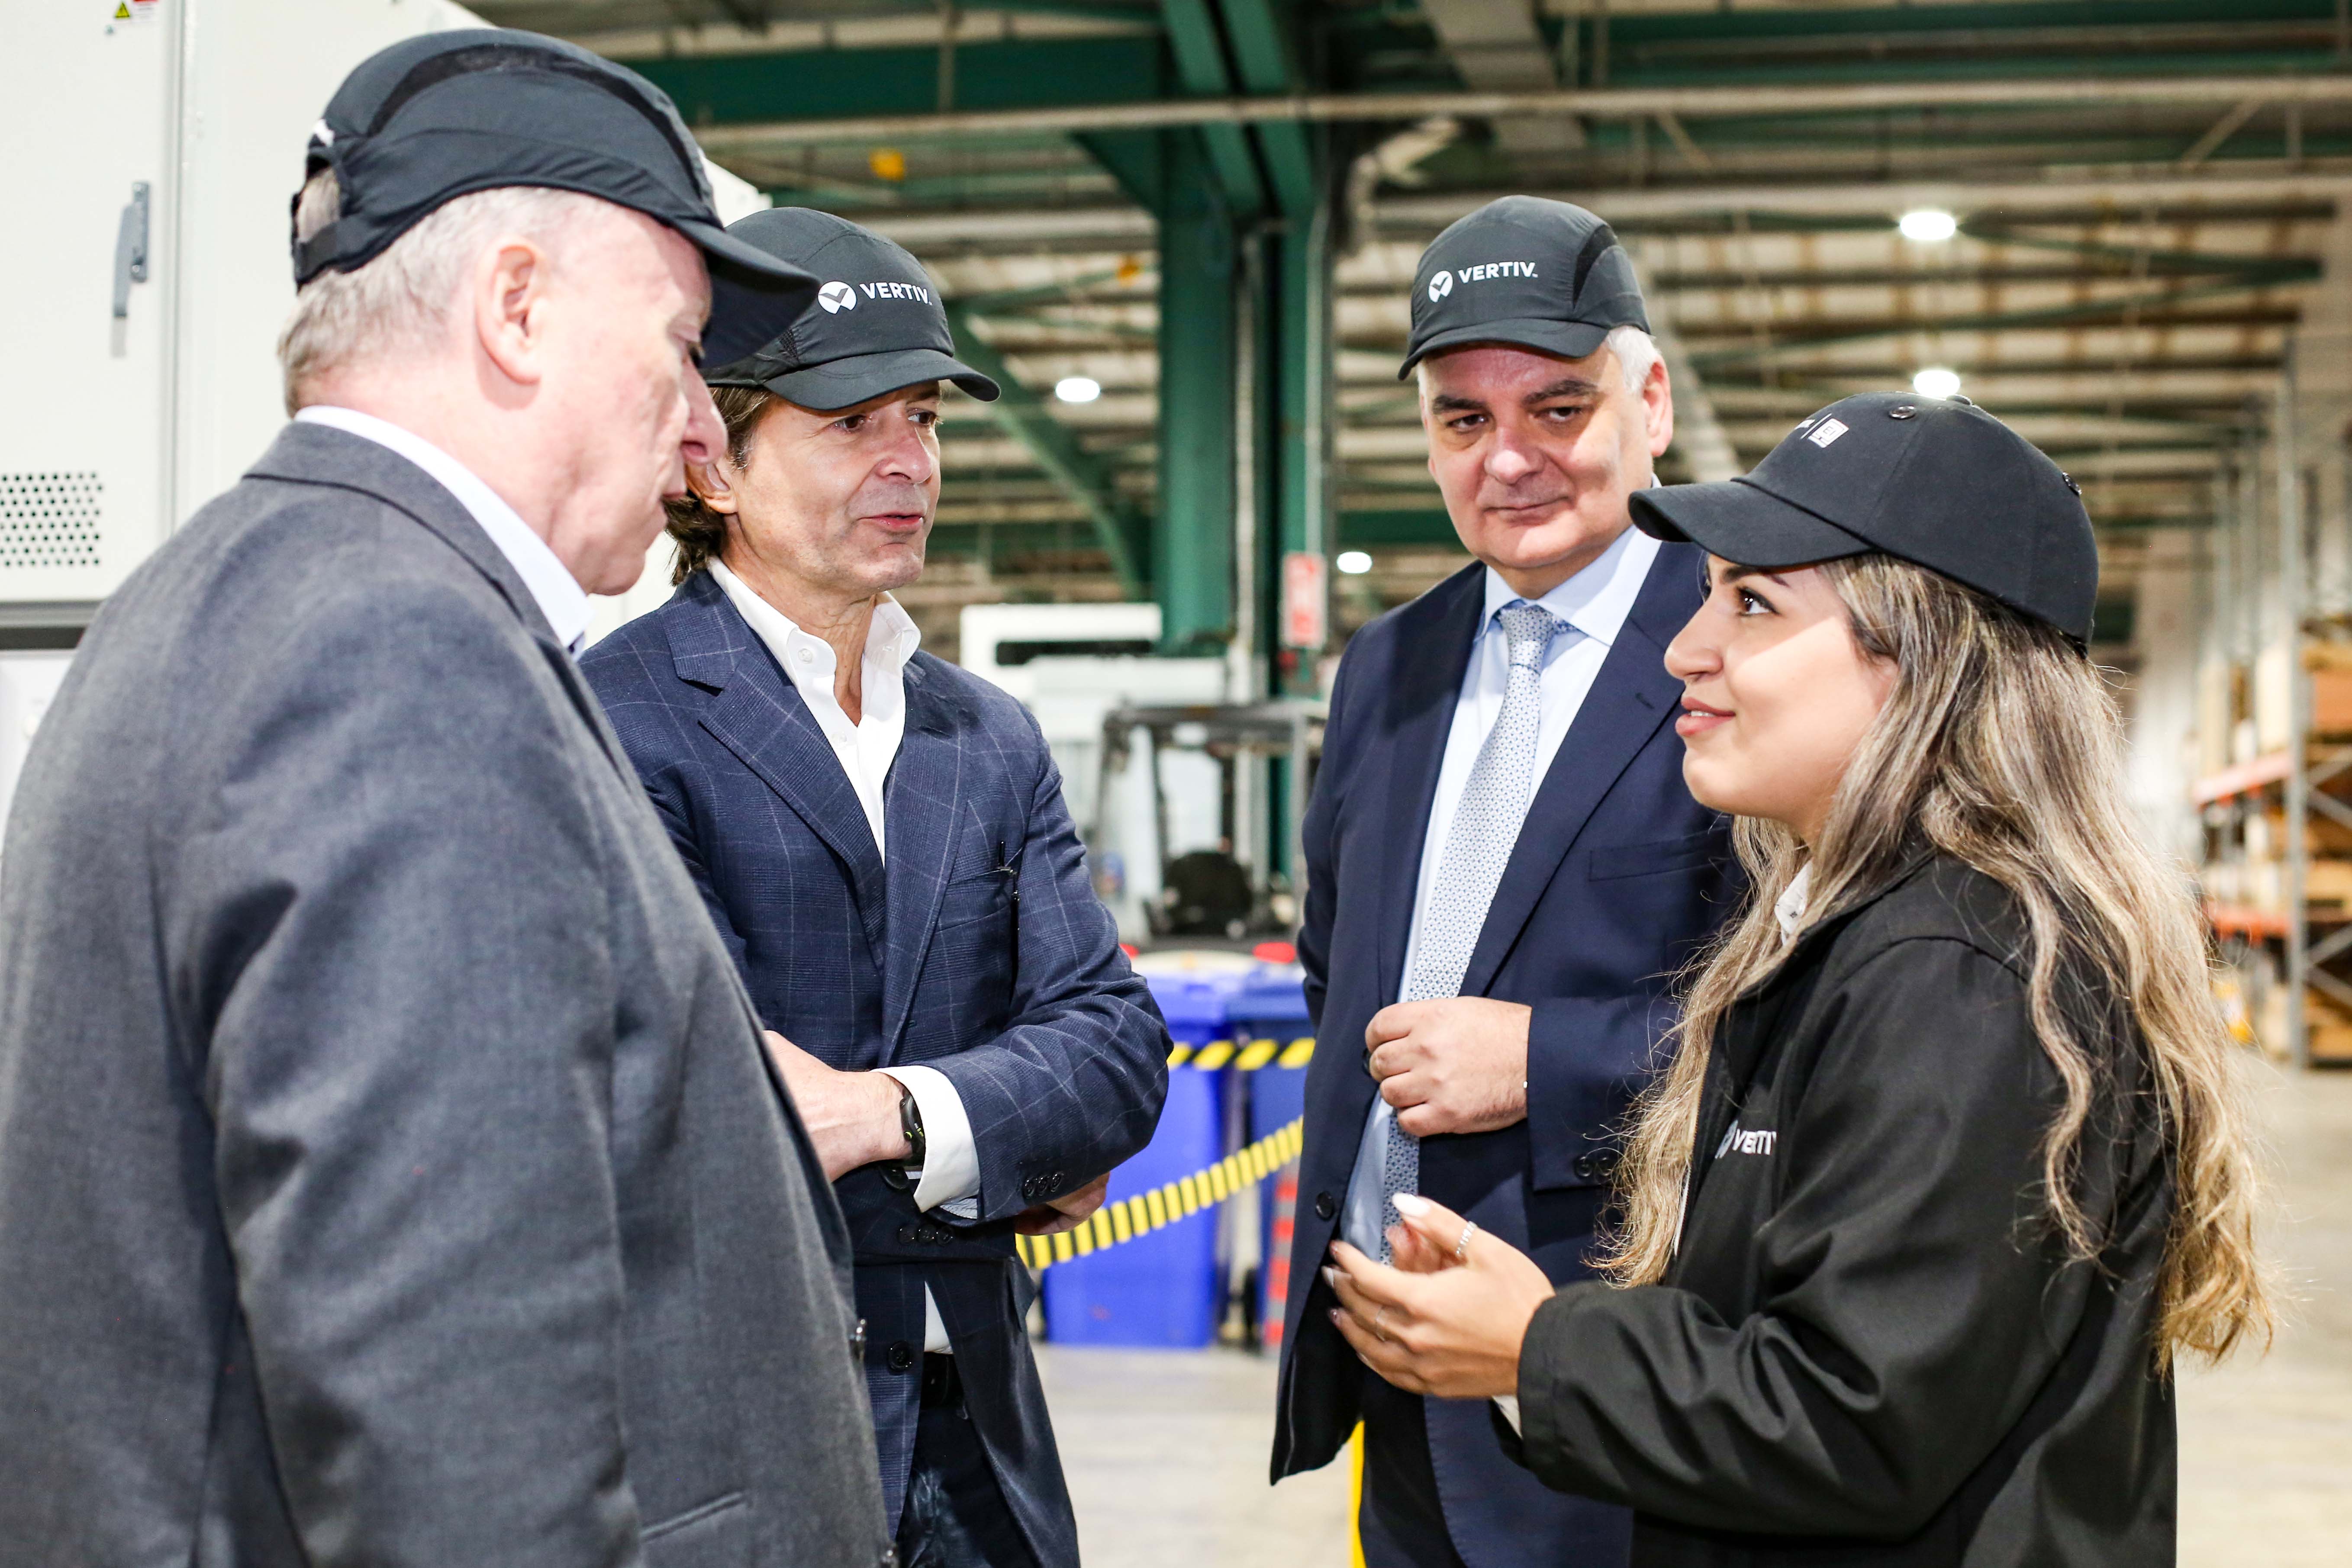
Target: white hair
(400, 301)
(1635, 349)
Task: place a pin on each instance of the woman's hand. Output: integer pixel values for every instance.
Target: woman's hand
(1439, 1323)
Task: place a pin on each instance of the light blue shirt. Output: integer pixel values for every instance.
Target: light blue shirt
(1594, 605)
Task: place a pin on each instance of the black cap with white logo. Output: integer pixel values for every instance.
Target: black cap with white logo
(445, 114)
(878, 324)
(1936, 481)
(1527, 271)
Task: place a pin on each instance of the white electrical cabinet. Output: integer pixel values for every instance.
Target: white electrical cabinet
(156, 145)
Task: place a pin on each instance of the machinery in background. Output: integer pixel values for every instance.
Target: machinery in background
(1238, 763)
(139, 352)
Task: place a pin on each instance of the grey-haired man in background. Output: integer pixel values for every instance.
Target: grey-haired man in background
(390, 1172)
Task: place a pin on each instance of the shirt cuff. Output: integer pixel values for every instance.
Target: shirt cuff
(950, 1158)
(1508, 1404)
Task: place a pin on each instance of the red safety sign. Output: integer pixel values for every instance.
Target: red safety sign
(1305, 623)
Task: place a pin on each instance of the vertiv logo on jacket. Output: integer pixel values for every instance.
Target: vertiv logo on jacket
(1737, 1142)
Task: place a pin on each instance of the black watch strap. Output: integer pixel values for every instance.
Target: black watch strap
(904, 1174)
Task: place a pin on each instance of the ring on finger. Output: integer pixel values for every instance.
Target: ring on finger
(1377, 1332)
(1461, 1248)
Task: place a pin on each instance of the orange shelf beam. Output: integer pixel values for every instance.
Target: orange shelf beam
(2243, 779)
(2236, 920)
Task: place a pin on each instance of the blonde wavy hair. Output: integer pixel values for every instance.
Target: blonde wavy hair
(2000, 747)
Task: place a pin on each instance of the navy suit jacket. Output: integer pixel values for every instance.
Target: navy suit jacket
(1025, 1002)
(1617, 878)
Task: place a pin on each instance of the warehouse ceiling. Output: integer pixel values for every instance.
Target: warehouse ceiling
(2143, 193)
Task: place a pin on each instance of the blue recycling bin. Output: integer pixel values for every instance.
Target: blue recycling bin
(1158, 1291)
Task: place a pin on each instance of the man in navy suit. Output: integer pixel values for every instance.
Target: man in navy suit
(1504, 867)
(882, 841)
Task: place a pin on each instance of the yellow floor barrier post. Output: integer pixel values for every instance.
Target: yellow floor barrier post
(1356, 1496)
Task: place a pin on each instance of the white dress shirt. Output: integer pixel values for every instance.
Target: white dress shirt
(558, 593)
(865, 749)
(1594, 605)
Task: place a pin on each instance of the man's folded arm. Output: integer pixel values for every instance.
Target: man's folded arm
(1075, 1083)
(388, 931)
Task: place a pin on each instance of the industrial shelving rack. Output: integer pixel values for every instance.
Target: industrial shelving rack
(2278, 687)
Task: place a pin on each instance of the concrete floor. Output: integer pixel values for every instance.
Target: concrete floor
(1167, 1453)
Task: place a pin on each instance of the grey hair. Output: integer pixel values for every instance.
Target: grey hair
(398, 301)
(1635, 349)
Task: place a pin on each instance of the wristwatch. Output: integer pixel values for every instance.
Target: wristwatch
(905, 1174)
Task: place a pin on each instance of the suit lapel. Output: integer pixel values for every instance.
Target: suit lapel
(1418, 716)
(1630, 698)
(757, 715)
(922, 806)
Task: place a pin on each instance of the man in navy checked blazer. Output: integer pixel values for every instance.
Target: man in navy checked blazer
(882, 841)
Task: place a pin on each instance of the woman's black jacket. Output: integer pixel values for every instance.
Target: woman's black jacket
(1869, 1348)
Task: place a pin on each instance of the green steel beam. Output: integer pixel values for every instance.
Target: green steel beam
(1419, 525)
(1200, 55)
(1264, 62)
(1041, 73)
(1192, 545)
(1022, 414)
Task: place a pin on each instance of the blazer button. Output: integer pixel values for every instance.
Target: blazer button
(1584, 1166)
(1326, 1205)
(902, 1356)
(906, 1234)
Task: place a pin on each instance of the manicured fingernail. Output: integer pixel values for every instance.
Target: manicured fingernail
(1331, 1278)
(1335, 1314)
(1409, 1205)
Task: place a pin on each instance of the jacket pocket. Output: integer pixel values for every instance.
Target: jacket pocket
(715, 1535)
(1656, 858)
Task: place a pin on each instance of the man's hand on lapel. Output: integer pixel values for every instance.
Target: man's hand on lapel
(852, 1117)
(1455, 1065)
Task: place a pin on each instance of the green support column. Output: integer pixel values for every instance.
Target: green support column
(1192, 562)
(1306, 394)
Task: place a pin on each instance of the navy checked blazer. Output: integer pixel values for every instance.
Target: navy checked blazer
(1025, 1002)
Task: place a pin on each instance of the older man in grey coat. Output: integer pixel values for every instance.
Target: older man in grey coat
(390, 1170)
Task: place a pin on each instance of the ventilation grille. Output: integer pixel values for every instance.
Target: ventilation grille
(49, 520)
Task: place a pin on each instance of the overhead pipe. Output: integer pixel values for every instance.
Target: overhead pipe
(2128, 188)
(1601, 103)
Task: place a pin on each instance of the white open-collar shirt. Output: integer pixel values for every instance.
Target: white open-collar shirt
(865, 749)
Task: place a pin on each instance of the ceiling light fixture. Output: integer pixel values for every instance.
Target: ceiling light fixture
(1354, 563)
(1077, 389)
(1935, 381)
(1928, 226)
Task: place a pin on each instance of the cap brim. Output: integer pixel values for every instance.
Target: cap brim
(1569, 340)
(846, 382)
(754, 297)
(1742, 522)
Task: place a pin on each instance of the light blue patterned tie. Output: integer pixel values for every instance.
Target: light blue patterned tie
(1478, 845)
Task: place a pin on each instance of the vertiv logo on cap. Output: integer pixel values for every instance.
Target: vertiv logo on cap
(836, 298)
(1441, 285)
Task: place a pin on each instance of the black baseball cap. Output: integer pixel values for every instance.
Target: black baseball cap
(878, 324)
(444, 114)
(1523, 270)
(1936, 481)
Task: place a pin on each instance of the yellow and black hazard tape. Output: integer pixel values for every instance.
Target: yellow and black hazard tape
(1247, 1057)
(1164, 1205)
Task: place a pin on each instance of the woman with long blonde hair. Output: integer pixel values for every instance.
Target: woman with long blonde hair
(1948, 1163)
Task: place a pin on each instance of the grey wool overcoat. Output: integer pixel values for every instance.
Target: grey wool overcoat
(390, 1173)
